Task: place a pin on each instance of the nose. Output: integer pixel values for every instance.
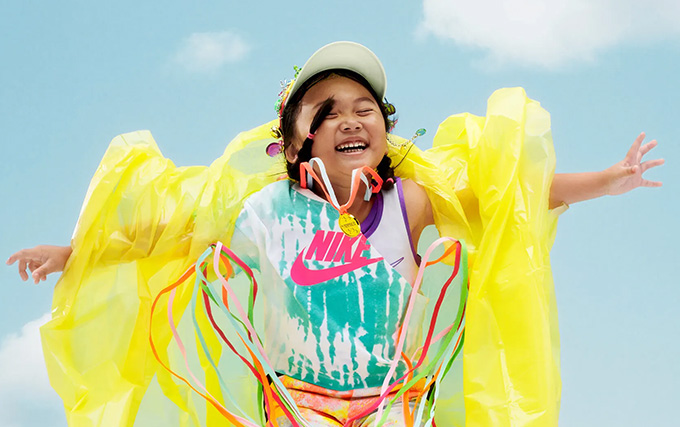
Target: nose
(350, 125)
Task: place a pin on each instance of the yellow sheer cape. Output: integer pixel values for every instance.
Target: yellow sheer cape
(144, 221)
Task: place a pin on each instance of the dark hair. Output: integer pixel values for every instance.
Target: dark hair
(292, 109)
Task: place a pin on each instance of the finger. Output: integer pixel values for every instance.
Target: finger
(25, 254)
(646, 183)
(648, 146)
(15, 256)
(633, 152)
(651, 164)
(22, 270)
(42, 272)
(37, 278)
(645, 149)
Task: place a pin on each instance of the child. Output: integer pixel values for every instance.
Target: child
(487, 181)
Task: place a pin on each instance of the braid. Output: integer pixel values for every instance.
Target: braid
(305, 152)
(386, 172)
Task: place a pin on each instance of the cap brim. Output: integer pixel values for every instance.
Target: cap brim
(345, 55)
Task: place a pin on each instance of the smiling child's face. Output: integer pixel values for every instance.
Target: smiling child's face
(352, 135)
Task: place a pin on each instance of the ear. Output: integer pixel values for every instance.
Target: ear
(291, 153)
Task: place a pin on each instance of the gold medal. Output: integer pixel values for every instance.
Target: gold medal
(349, 225)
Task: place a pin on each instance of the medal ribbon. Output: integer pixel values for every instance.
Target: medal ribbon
(358, 175)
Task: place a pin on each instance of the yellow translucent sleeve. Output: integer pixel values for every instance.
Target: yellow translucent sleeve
(488, 179)
(143, 222)
(511, 352)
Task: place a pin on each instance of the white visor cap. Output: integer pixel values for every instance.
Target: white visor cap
(345, 55)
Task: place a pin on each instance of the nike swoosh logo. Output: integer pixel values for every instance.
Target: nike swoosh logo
(304, 276)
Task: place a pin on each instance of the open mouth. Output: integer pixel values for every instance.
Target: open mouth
(352, 147)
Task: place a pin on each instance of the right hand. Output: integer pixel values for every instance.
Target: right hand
(627, 174)
(41, 261)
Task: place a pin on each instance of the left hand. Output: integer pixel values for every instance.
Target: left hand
(41, 261)
(627, 174)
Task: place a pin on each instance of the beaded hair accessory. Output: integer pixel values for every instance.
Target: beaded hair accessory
(419, 132)
(391, 111)
(286, 86)
(276, 148)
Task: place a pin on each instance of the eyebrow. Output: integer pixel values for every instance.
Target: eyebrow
(365, 98)
(356, 101)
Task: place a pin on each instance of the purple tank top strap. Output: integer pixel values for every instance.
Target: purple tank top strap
(402, 203)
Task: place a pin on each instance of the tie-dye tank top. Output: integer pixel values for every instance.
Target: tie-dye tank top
(333, 303)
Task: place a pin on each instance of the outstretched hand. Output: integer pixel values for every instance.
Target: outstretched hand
(41, 261)
(627, 174)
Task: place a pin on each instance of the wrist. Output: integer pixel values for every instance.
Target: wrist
(64, 254)
(607, 178)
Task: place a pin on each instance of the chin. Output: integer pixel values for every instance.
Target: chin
(359, 163)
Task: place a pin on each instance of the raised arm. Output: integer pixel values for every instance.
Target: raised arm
(41, 261)
(622, 177)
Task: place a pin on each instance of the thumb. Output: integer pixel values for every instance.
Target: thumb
(41, 272)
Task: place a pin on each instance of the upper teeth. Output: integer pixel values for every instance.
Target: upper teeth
(351, 145)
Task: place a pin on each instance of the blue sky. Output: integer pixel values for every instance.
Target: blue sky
(78, 73)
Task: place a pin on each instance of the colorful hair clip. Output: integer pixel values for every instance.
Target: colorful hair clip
(389, 107)
(391, 113)
(276, 132)
(274, 149)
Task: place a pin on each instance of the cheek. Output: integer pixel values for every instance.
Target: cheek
(320, 148)
(303, 122)
(299, 135)
(379, 133)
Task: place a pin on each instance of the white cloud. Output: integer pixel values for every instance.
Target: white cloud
(550, 33)
(26, 397)
(207, 52)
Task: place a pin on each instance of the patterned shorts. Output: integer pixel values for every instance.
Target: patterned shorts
(322, 407)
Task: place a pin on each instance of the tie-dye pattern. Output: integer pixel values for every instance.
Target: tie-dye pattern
(340, 333)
